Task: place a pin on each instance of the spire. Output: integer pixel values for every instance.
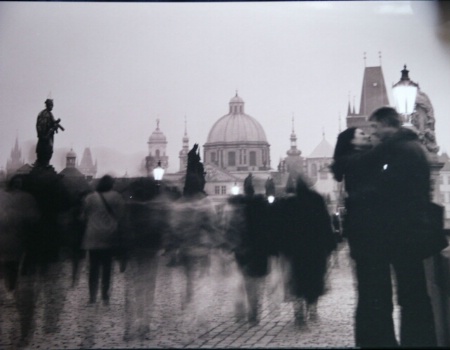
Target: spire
(157, 123)
(185, 137)
(323, 132)
(364, 59)
(379, 56)
(354, 111)
(183, 154)
(293, 151)
(339, 123)
(349, 111)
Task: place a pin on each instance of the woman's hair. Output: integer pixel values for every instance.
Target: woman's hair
(344, 143)
(344, 146)
(105, 184)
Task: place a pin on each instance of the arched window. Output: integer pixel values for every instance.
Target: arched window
(313, 170)
(231, 158)
(252, 155)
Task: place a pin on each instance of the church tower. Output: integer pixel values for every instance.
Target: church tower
(71, 159)
(15, 161)
(87, 166)
(373, 96)
(183, 155)
(294, 162)
(157, 144)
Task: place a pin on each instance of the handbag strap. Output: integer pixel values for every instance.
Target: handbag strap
(108, 208)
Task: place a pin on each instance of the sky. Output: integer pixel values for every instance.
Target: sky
(114, 68)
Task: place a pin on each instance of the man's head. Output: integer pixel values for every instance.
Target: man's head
(49, 104)
(384, 122)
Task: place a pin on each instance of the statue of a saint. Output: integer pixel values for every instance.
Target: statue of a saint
(46, 127)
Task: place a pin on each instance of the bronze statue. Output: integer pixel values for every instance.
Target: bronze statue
(46, 127)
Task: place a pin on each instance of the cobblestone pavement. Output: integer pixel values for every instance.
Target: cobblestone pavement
(212, 325)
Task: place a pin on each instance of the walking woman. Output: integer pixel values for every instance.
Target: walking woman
(102, 211)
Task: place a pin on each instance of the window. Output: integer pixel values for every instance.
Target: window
(323, 175)
(231, 158)
(224, 189)
(216, 189)
(213, 157)
(252, 155)
(157, 153)
(313, 170)
(441, 179)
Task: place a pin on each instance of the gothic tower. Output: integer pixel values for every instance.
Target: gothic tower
(87, 166)
(373, 96)
(15, 161)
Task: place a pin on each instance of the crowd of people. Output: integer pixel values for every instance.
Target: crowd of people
(387, 185)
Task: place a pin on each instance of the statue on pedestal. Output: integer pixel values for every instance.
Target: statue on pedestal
(423, 119)
(46, 127)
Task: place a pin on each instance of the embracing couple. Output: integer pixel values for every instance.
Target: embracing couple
(387, 182)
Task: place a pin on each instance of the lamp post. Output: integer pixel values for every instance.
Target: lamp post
(405, 92)
(270, 190)
(235, 189)
(158, 174)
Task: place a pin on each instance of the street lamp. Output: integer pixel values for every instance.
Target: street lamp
(235, 189)
(270, 190)
(405, 92)
(158, 173)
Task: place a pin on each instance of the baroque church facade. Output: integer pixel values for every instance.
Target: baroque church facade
(236, 146)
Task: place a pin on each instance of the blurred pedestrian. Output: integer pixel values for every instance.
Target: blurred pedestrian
(18, 216)
(247, 234)
(194, 228)
(146, 224)
(306, 242)
(103, 212)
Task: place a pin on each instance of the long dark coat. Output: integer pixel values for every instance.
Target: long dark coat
(306, 240)
(247, 233)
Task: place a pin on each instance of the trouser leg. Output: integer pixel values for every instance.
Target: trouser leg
(374, 325)
(11, 274)
(94, 270)
(106, 274)
(417, 327)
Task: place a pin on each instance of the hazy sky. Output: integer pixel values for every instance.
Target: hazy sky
(114, 68)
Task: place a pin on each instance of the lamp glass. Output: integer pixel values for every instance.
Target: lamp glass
(235, 190)
(158, 173)
(405, 98)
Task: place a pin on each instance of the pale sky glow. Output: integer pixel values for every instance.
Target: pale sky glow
(114, 68)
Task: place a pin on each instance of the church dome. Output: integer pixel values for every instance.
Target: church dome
(71, 154)
(236, 126)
